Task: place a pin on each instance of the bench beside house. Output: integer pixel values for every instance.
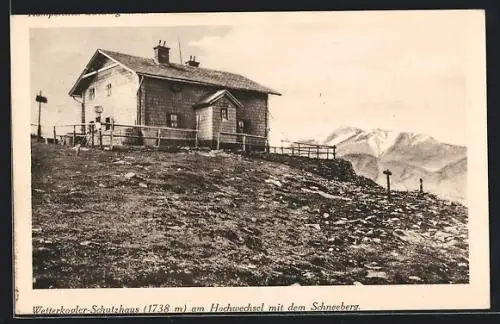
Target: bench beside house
(133, 90)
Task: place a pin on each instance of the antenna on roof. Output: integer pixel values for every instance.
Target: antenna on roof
(180, 52)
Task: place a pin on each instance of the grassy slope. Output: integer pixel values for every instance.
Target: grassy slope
(216, 221)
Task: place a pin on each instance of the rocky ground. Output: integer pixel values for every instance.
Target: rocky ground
(156, 219)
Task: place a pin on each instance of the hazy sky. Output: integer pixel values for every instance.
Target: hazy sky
(399, 71)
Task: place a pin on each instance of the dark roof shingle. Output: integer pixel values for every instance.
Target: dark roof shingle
(187, 73)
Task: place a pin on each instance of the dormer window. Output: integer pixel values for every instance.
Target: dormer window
(223, 114)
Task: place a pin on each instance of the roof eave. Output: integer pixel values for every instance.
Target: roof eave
(155, 76)
(98, 51)
(200, 105)
(75, 85)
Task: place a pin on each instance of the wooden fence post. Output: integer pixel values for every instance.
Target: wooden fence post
(158, 138)
(327, 150)
(74, 135)
(292, 150)
(197, 131)
(334, 147)
(317, 151)
(218, 141)
(244, 143)
(100, 138)
(111, 135)
(298, 149)
(309, 152)
(92, 134)
(282, 149)
(55, 140)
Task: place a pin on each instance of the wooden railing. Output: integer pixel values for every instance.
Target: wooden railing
(153, 135)
(305, 149)
(241, 139)
(292, 148)
(94, 135)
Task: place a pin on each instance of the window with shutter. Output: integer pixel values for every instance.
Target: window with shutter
(173, 120)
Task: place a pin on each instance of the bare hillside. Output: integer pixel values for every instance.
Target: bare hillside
(156, 219)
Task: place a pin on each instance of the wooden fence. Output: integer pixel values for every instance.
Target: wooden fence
(247, 142)
(305, 150)
(111, 134)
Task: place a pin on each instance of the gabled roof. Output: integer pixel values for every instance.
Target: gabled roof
(182, 73)
(212, 98)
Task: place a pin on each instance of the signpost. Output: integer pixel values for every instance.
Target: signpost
(388, 174)
(40, 99)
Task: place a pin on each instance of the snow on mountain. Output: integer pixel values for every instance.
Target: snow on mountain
(341, 134)
(381, 140)
(410, 156)
(418, 138)
(351, 140)
(424, 151)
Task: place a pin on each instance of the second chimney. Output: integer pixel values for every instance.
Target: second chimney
(192, 61)
(162, 54)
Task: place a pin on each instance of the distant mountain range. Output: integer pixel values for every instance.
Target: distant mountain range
(409, 156)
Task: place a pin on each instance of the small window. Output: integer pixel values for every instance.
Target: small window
(98, 119)
(108, 89)
(223, 113)
(108, 123)
(241, 126)
(92, 94)
(173, 120)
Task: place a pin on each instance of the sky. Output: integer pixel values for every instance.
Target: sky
(397, 71)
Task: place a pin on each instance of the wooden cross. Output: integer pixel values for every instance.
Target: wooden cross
(388, 174)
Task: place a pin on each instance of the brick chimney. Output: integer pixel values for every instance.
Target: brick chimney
(192, 61)
(162, 55)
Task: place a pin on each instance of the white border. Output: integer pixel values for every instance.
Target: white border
(405, 297)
